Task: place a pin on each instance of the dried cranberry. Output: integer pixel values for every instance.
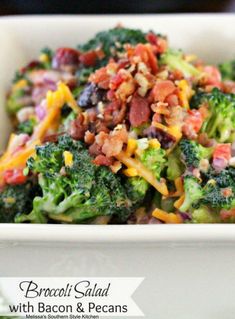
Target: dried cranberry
(65, 57)
(164, 138)
(91, 95)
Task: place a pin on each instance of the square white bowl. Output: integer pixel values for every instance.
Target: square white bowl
(189, 270)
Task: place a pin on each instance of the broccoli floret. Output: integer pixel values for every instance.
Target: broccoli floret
(16, 199)
(220, 123)
(77, 192)
(14, 103)
(27, 127)
(137, 188)
(227, 70)
(193, 193)
(175, 61)
(112, 41)
(154, 160)
(175, 167)
(203, 215)
(192, 152)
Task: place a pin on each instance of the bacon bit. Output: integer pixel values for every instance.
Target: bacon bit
(192, 124)
(125, 89)
(112, 146)
(223, 151)
(95, 149)
(113, 143)
(103, 160)
(139, 111)
(89, 137)
(227, 192)
(116, 166)
(101, 78)
(228, 87)
(212, 76)
(226, 214)
(78, 128)
(221, 156)
(100, 53)
(172, 100)
(14, 177)
(160, 108)
(88, 58)
(114, 113)
(116, 81)
(145, 52)
(159, 43)
(176, 75)
(162, 89)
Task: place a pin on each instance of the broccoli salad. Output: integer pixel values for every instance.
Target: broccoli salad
(120, 130)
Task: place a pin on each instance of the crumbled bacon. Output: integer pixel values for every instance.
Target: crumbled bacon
(95, 149)
(103, 160)
(89, 137)
(139, 111)
(192, 124)
(114, 113)
(145, 52)
(78, 128)
(101, 78)
(88, 58)
(162, 89)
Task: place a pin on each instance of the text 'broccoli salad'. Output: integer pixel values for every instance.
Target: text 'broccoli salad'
(121, 129)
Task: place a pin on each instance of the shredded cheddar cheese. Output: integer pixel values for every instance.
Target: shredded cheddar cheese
(168, 218)
(172, 130)
(185, 93)
(154, 143)
(130, 172)
(179, 201)
(131, 146)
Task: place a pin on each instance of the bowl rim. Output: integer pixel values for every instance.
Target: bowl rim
(213, 234)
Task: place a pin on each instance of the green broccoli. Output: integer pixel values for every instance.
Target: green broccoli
(192, 152)
(137, 188)
(227, 70)
(175, 167)
(219, 189)
(16, 199)
(154, 159)
(78, 192)
(204, 215)
(175, 61)
(14, 103)
(220, 124)
(193, 193)
(27, 127)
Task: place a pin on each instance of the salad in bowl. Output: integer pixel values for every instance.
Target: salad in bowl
(120, 130)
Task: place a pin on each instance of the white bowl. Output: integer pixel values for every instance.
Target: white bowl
(189, 270)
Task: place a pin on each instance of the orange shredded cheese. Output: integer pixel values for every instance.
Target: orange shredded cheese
(179, 201)
(185, 93)
(143, 172)
(168, 218)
